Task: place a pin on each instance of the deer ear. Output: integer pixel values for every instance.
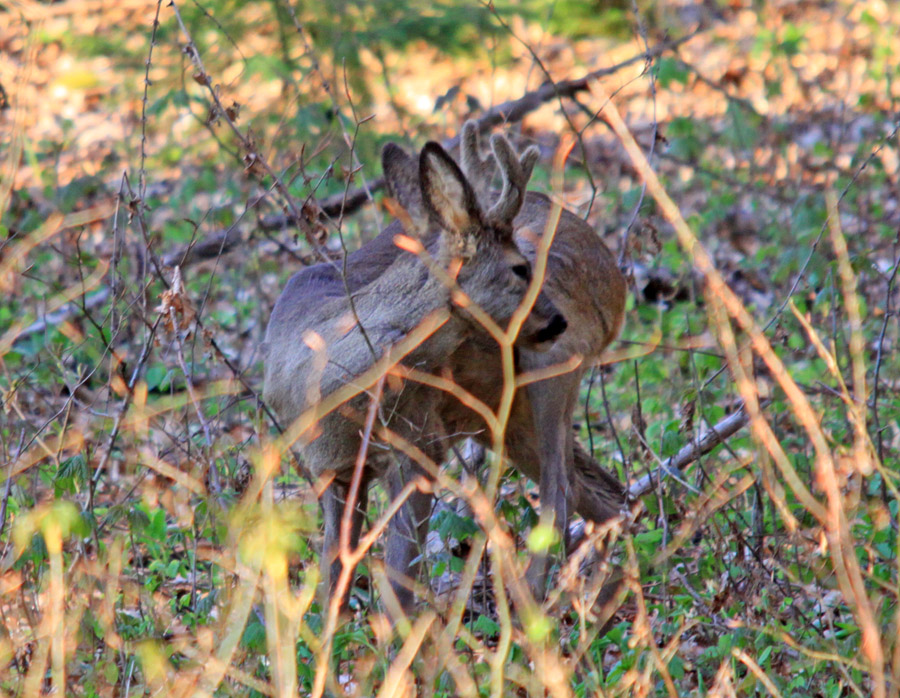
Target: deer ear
(447, 195)
(400, 176)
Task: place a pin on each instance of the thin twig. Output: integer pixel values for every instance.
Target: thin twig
(888, 314)
(252, 156)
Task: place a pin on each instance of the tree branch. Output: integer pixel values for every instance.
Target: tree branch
(344, 204)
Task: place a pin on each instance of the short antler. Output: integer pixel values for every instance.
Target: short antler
(480, 170)
(516, 171)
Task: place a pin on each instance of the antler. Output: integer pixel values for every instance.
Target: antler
(516, 171)
(479, 171)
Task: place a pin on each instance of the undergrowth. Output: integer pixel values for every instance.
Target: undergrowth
(159, 185)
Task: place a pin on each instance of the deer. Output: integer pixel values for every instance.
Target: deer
(331, 325)
(581, 276)
(583, 280)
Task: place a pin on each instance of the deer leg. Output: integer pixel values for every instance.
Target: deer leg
(408, 529)
(552, 404)
(333, 504)
(406, 535)
(598, 494)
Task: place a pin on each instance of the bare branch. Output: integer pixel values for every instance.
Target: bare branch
(694, 450)
(346, 203)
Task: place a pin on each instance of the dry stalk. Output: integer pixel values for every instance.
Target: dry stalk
(831, 515)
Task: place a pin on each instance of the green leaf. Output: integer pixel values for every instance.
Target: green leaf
(172, 568)
(111, 671)
(254, 637)
(486, 626)
(157, 527)
(158, 377)
(744, 131)
(669, 70)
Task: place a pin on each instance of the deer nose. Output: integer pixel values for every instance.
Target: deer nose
(552, 329)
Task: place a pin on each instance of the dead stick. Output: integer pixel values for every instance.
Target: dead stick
(694, 450)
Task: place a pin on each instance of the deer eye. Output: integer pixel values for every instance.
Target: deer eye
(522, 271)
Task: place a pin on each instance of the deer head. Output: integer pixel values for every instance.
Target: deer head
(494, 273)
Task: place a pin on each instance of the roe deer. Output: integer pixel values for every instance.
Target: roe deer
(318, 340)
(581, 279)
